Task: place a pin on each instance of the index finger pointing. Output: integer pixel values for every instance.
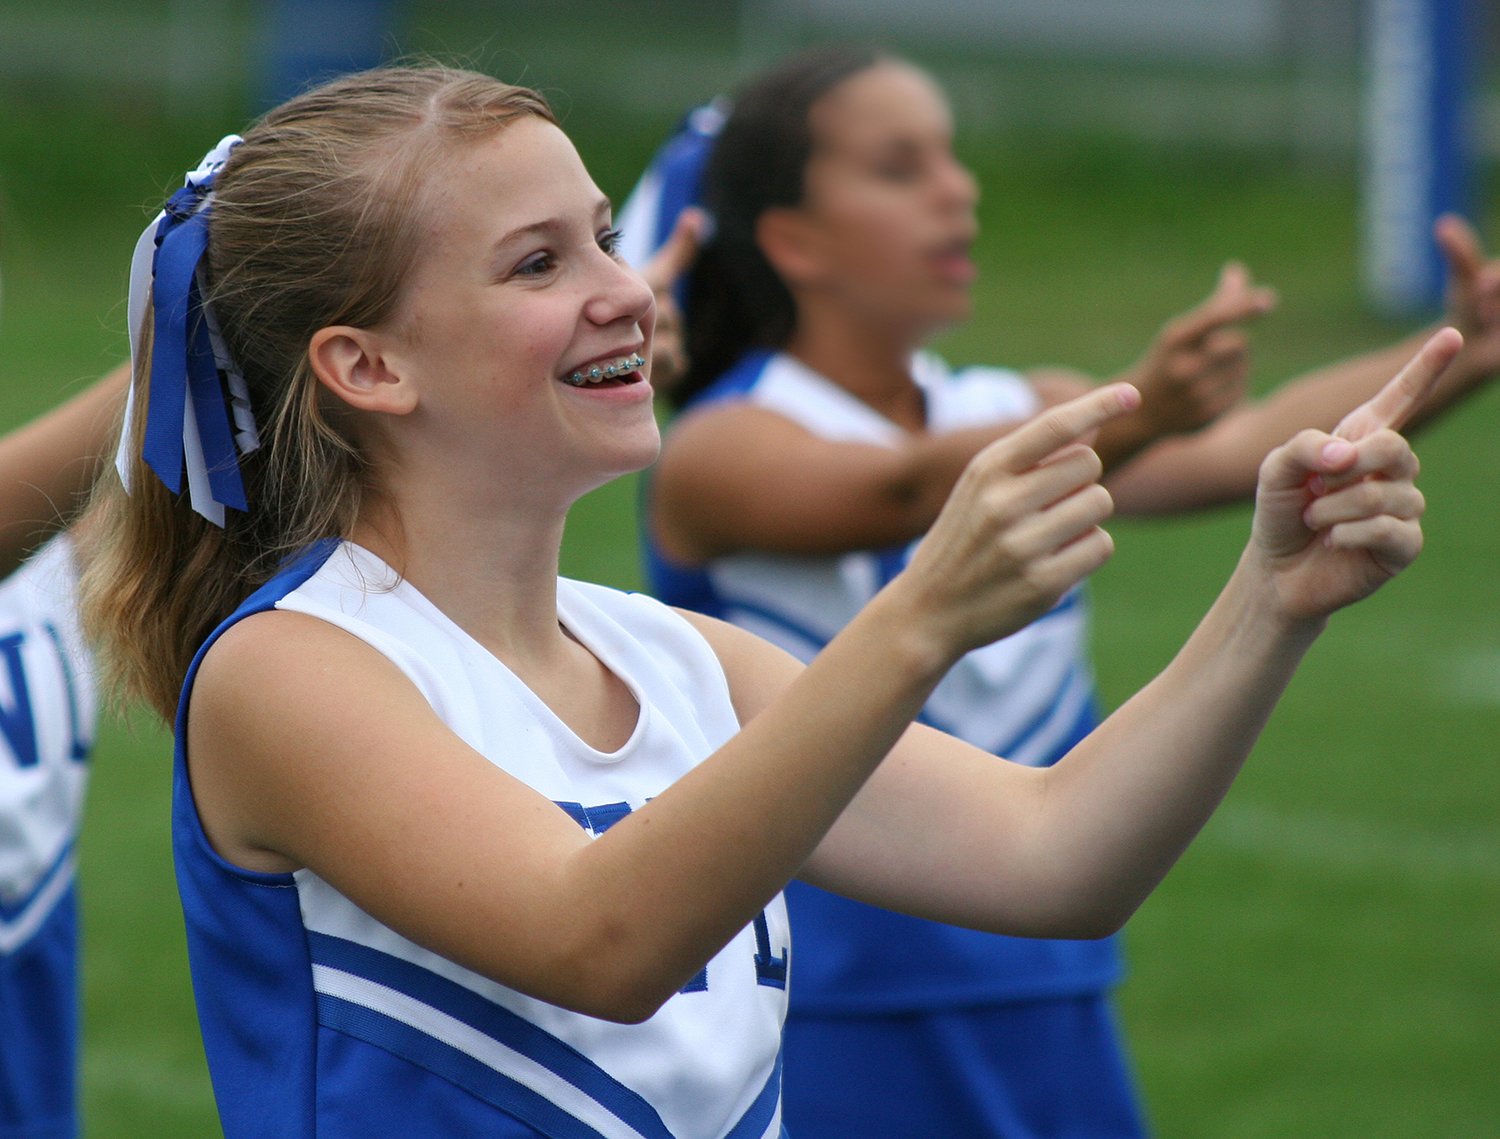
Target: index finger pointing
(1233, 300)
(1394, 404)
(1064, 424)
(1459, 243)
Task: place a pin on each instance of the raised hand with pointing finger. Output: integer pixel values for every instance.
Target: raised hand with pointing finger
(1194, 370)
(1472, 303)
(1021, 526)
(1338, 514)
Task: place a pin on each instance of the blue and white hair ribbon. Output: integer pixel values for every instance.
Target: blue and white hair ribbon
(671, 183)
(189, 427)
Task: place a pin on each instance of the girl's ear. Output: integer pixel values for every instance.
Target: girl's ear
(789, 240)
(351, 364)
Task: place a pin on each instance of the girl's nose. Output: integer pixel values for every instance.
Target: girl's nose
(620, 293)
(959, 184)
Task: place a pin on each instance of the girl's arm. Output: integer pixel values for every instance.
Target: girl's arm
(355, 777)
(738, 477)
(735, 477)
(1218, 464)
(944, 831)
(49, 464)
(1193, 371)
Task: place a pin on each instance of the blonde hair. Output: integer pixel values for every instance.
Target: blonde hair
(315, 222)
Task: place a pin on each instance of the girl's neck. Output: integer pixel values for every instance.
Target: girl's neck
(874, 367)
(497, 580)
(493, 576)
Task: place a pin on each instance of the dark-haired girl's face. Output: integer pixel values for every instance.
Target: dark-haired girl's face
(893, 207)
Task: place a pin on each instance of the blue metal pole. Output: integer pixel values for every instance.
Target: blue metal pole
(1416, 145)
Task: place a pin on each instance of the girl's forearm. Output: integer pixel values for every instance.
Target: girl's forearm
(47, 465)
(1131, 797)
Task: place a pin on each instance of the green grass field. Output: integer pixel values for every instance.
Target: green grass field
(1325, 961)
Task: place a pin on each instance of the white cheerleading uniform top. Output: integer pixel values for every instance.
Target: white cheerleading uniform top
(48, 707)
(1029, 698)
(1023, 697)
(320, 1021)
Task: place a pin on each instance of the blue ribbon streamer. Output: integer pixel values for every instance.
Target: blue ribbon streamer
(182, 357)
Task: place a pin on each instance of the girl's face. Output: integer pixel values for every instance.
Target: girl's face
(893, 208)
(527, 337)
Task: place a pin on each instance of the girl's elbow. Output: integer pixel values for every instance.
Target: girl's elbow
(607, 986)
(1084, 919)
(1093, 927)
(621, 1000)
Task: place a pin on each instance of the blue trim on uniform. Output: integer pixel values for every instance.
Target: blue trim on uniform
(1043, 720)
(293, 573)
(595, 820)
(263, 1077)
(505, 1028)
(499, 1024)
(815, 639)
(39, 998)
(738, 381)
(501, 1091)
(1084, 723)
(689, 587)
(459, 1068)
(762, 1110)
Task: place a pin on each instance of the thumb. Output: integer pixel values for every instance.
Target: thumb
(678, 252)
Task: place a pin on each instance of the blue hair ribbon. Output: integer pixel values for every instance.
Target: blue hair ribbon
(671, 183)
(192, 427)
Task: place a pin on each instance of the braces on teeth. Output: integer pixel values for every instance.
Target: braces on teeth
(596, 373)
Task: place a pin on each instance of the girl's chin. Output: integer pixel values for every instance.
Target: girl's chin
(945, 317)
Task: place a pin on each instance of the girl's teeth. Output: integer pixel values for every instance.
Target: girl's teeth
(595, 374)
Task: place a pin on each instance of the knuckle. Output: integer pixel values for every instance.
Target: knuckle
(1042, 585)
(1308, 437)
(1389, 531)
(1003, 538)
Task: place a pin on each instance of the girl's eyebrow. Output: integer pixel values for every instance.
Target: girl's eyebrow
(545, 227)
(602, 208)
